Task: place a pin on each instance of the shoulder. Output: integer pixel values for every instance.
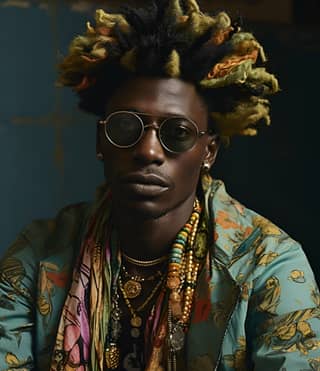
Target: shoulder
(255, 250)
(241, 232)
(46, 237)
(276, 295)
(58, 233)
(34, 278)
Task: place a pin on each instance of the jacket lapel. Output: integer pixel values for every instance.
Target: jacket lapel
(217, 295)
(215, 301)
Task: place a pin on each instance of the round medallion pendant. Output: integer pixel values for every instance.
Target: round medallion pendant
(135, 332)
(173, 283)
(132, 289)
(136, 321)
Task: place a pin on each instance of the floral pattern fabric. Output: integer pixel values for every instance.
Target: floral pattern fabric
(256, 304)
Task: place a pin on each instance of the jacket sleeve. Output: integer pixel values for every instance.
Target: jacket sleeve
(17, 298)
(283, 316)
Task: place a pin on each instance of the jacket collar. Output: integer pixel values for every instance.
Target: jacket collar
(233, 228)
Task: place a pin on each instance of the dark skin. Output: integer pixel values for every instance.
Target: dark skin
(148, 217)
(148, 223)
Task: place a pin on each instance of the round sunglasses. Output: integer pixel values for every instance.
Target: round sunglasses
(177, 134)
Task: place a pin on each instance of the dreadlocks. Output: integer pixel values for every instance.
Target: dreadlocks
(173, 38)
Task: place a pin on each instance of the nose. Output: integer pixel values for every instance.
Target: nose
(149, 149)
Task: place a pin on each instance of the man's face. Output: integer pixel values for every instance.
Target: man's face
(146, 180)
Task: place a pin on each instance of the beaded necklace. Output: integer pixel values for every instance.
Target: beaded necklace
(181, 281)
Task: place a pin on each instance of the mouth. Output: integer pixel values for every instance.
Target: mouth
(145, 185)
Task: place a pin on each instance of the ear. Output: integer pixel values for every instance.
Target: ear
(212, 149)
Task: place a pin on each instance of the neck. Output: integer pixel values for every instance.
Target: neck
(150, 238)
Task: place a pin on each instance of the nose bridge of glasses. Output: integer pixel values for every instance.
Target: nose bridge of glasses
(152, 134)
(153, 125)
(150, 121)
(149, 145)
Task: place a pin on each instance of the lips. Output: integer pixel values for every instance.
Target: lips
(148, 179)
(142, 184)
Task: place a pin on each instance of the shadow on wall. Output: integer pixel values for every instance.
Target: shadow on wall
(48, 147)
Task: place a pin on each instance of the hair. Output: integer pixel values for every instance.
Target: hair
(174, 38)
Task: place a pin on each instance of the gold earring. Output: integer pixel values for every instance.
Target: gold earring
(100, 156)
(206, 166)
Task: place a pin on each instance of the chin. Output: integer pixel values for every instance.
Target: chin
(144, 209)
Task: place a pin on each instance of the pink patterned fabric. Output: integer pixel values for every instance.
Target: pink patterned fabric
(81, 332)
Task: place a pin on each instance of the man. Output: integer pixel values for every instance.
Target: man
(164, 271)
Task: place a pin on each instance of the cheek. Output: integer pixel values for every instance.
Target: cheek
(188, 170)
(112, 161)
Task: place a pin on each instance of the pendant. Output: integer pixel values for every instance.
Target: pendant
(112, 356)
(177, 338)
(173, 282)
(132, 289)
(136, 321)
(135, 332)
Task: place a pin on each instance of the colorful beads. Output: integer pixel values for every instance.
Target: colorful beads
(183, 270)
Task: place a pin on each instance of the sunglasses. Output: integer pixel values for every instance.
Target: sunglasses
(177, 134)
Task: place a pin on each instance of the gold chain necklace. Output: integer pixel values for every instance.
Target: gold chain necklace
(133, 286)
(136, 320)
(144, 263)
(138, 278)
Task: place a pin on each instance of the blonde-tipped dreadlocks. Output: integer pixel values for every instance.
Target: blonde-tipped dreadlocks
(173, 38)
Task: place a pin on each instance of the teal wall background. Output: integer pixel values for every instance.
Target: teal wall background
(48, 148)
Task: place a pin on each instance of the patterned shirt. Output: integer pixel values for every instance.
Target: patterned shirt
(256, 303)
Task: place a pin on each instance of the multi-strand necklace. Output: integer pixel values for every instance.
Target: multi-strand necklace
(183, 269)
(133, 286)
(129, 286)
(136, 320)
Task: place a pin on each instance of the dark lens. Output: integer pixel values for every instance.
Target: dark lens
(178, 134)
(123, 129)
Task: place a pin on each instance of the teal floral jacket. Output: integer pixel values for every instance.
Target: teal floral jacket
(256, 305)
